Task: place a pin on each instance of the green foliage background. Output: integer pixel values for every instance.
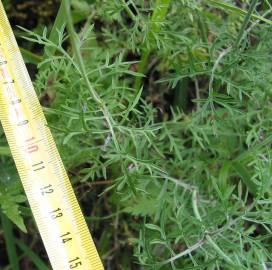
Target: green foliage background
(161, 111)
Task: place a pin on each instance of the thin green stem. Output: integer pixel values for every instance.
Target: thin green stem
(242, 31)
(157, 18)
(232, 8)
(141, 69)
(218, 250)
(75, 42)
(202, 28)
(128, 10)
(208, 237)
(77, 53)
(268, 4)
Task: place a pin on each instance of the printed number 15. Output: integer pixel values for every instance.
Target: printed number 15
(75, 263)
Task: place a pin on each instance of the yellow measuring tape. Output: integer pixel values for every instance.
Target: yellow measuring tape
(57, 213)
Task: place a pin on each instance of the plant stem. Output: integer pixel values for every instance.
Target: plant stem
(188, 251)
(232, 8)
(128, 10)
(241, 33)
(218, 249)
(76, 49)
(158, 17)
(208, 237)
(141, 69)
(78, 57)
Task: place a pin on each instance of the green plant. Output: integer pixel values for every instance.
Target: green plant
(162, 114)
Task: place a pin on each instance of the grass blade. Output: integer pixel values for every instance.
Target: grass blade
(10, 244)
(30, 57)
(37, 261)
(60, 22)
(5, 151)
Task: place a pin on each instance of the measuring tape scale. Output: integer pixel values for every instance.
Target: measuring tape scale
(55, 208)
